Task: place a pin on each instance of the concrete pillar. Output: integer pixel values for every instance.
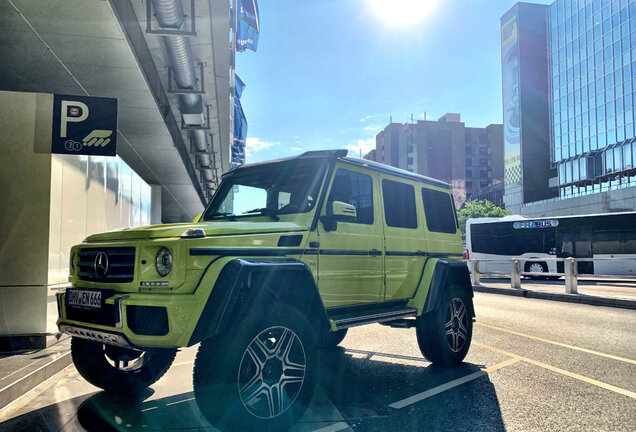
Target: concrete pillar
(515, 274)
(155, 204)
(571, 272)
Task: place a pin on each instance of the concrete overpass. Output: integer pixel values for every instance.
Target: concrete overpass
(174, 127)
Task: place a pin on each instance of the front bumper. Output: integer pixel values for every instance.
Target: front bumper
(137, 320)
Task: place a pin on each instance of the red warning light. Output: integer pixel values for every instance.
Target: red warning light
(74, 111)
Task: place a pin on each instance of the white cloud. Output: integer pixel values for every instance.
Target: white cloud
(361, 145)
(372, 128)
(253, 145)
(296, 149)
(365, 118)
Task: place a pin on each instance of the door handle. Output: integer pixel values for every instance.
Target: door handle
(375, 252)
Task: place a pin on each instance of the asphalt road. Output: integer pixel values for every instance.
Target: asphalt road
(534, 365)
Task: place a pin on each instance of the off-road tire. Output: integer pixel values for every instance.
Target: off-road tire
(91, 360)
(444, 335)
(330, 340)
(233, 390)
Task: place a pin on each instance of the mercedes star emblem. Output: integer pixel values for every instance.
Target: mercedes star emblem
(101, 264)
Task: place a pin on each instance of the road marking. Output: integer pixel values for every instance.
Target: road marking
(451, 384)
(370, 354)
(503, 364)
(562, 371)
(437, 390)
(333, 428)
(181, 401)
(585, 350)
(183, 363)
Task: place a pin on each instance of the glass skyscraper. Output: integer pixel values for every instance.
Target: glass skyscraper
(592, 46)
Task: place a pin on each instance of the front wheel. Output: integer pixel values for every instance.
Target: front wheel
(444, 335)
(119, 370)
(330, 340)
(260, 376)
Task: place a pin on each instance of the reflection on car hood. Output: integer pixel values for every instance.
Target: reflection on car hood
(216, 228)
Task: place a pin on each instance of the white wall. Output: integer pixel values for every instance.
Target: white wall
(91, 194)
(48, 203)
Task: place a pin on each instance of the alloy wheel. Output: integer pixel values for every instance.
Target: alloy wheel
(272, 372)
(456, 325)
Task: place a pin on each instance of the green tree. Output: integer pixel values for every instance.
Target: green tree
(478, 209)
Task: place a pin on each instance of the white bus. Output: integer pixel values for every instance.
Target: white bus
(610, 236)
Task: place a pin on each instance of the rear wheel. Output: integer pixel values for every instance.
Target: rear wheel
(536, 267)
(444, 335)
(119, 370)
(260, 376)
(330, 340)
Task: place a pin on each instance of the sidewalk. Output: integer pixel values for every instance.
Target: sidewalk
(21, 371)
(613, 293)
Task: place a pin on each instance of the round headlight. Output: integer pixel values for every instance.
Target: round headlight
(163, 261)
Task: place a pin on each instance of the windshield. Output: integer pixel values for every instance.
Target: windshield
(280, 188)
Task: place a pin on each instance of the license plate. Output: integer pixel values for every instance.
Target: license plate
(85, 299)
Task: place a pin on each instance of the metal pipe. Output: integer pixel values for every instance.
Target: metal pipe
(169, 14)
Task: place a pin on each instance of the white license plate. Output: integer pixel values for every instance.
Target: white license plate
(87, 299)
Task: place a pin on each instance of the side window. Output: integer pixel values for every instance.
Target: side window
(439, 211)
(399, 204)
(356, 189)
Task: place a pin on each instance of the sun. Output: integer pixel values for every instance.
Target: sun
(402, 13)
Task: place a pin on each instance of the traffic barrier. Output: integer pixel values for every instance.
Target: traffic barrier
(570, 267)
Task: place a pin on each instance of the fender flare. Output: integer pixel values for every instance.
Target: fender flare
(448, 273)
(246, 283)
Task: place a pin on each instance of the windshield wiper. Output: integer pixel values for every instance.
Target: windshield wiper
(265, 212)
(225, 215)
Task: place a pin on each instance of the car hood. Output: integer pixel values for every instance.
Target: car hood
(215, 228)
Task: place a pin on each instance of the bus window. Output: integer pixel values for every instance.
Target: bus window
(608, 242)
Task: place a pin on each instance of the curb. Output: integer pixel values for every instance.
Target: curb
(21, 386)
(569, 298)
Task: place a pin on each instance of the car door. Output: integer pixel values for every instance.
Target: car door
(404, 239)
(350, 264)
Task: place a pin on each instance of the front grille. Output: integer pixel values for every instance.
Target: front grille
(120, 269)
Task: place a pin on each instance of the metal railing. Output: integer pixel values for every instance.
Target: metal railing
(570, 267)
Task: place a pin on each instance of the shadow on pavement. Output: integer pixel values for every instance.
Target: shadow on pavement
(363, 384)
(360, 384)
(109, 412)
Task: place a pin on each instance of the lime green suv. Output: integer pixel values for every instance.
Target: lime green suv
(287, 256)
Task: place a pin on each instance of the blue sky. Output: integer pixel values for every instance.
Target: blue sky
(331, 73)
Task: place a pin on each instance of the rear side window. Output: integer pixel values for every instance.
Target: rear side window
(438, 208)
(399, 204)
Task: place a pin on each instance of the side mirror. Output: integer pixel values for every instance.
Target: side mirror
(197, 218)
(338, 211)
(344, 212)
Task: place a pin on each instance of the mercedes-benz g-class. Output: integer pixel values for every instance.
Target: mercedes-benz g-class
(286, 257)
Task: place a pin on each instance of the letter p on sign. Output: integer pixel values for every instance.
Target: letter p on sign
(71, 113)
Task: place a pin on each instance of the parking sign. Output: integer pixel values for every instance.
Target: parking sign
(84, 125)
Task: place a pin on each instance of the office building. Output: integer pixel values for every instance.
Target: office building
(468, 158)
(589, 141)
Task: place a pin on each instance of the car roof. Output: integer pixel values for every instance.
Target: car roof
(388, 169)
(342, 155)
